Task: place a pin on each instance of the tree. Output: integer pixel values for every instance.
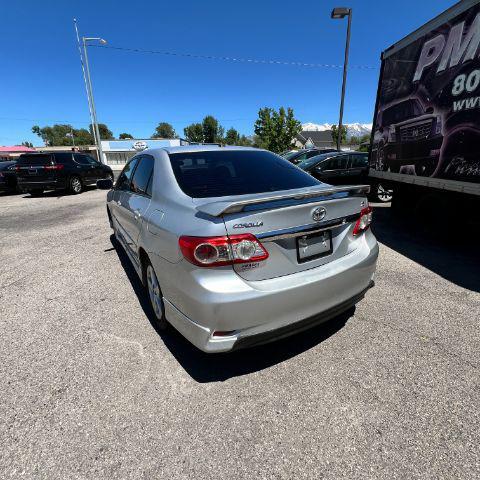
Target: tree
(194, 132)
(232, 137)
(124, 136)
(212, 130)
(276, 131)
(27, 144)
(343, 137)
(105, 132)
(164, 130)
(61, 135)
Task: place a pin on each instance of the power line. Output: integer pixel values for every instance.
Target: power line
(107, 121)
(233, 59)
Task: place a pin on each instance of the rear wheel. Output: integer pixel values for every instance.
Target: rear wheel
(383, 194)
(155, 296)
(75, 184)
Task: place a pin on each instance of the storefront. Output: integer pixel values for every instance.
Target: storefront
(118, 152)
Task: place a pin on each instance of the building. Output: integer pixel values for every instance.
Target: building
(13, 152)
(118, 152)
(314, 139)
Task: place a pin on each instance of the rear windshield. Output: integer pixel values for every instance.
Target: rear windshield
(38, 159)
(230, 172)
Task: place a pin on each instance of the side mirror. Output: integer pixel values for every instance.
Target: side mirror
(429, 110)
(105, 184)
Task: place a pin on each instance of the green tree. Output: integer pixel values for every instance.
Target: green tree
(27, 144)
(124, 136)
(343, 137)
(194, 132)
(232, 137)
(274, 130)
(61, 135)
(105, 132)
(164, 130)
(212, 130)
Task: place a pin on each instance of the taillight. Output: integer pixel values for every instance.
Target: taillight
(364, 221)
(54, 167)
(217, 251)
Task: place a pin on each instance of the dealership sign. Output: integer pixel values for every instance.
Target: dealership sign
(139, 145)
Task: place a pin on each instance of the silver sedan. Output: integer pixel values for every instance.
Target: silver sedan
(237, 246)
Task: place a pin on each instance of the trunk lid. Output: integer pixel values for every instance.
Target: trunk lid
(299, 229)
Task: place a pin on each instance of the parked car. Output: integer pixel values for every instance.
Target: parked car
(37, 172)
(234, 256)
(344, 168)
(297, 156)
(8, 176)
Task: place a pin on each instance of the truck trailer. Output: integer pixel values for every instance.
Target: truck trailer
(425, 142)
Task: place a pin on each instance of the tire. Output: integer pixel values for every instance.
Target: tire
(35, 193)
(154, 294)
(75, 185)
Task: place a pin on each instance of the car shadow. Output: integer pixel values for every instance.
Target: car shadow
(445, 250)
(203, 367)
(57, 193)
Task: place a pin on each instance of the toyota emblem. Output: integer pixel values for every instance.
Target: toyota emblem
(319, 214)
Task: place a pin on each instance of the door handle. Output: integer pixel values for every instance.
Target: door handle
(137, 214)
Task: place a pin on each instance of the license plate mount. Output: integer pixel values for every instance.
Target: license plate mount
(313, 246)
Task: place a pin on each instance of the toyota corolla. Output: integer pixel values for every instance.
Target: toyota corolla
(237, 246)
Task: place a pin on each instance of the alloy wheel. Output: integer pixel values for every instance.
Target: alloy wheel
(76, 185)
(383, 194)
(154, 292)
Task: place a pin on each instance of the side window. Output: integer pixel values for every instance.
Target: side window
(337, 163)
(82, 159)
(313, 153)
(301, 157)
(359, 161)
(123, 182)
(143, 174)
(64, 158)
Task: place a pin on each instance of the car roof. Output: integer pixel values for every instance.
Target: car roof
(198, 148)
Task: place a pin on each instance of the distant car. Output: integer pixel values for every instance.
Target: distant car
(344, 168)
(37, 172)
(232, 258)
(297, 156)
(8, 177)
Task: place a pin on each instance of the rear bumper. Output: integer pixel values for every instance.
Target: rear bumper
(44, 185)
(262, 311)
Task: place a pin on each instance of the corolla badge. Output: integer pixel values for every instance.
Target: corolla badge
(319, 214)
(248, 225)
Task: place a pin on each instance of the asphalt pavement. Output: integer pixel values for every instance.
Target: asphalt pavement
(89, 389)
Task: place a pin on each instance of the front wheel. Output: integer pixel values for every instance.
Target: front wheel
(155, 296)
(75, 185)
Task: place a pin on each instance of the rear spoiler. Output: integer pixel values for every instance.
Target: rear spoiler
(216, 209)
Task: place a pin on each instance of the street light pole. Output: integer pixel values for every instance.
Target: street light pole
(92, 101)
(85, 81)
(339, 13)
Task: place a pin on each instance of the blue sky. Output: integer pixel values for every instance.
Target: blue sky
(42, 83)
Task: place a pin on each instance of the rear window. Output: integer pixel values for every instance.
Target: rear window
(39, 159)
(230, 172)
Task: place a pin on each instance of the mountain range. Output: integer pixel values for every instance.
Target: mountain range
(353, 129)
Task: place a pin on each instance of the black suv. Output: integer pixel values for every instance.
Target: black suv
(72, 171)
